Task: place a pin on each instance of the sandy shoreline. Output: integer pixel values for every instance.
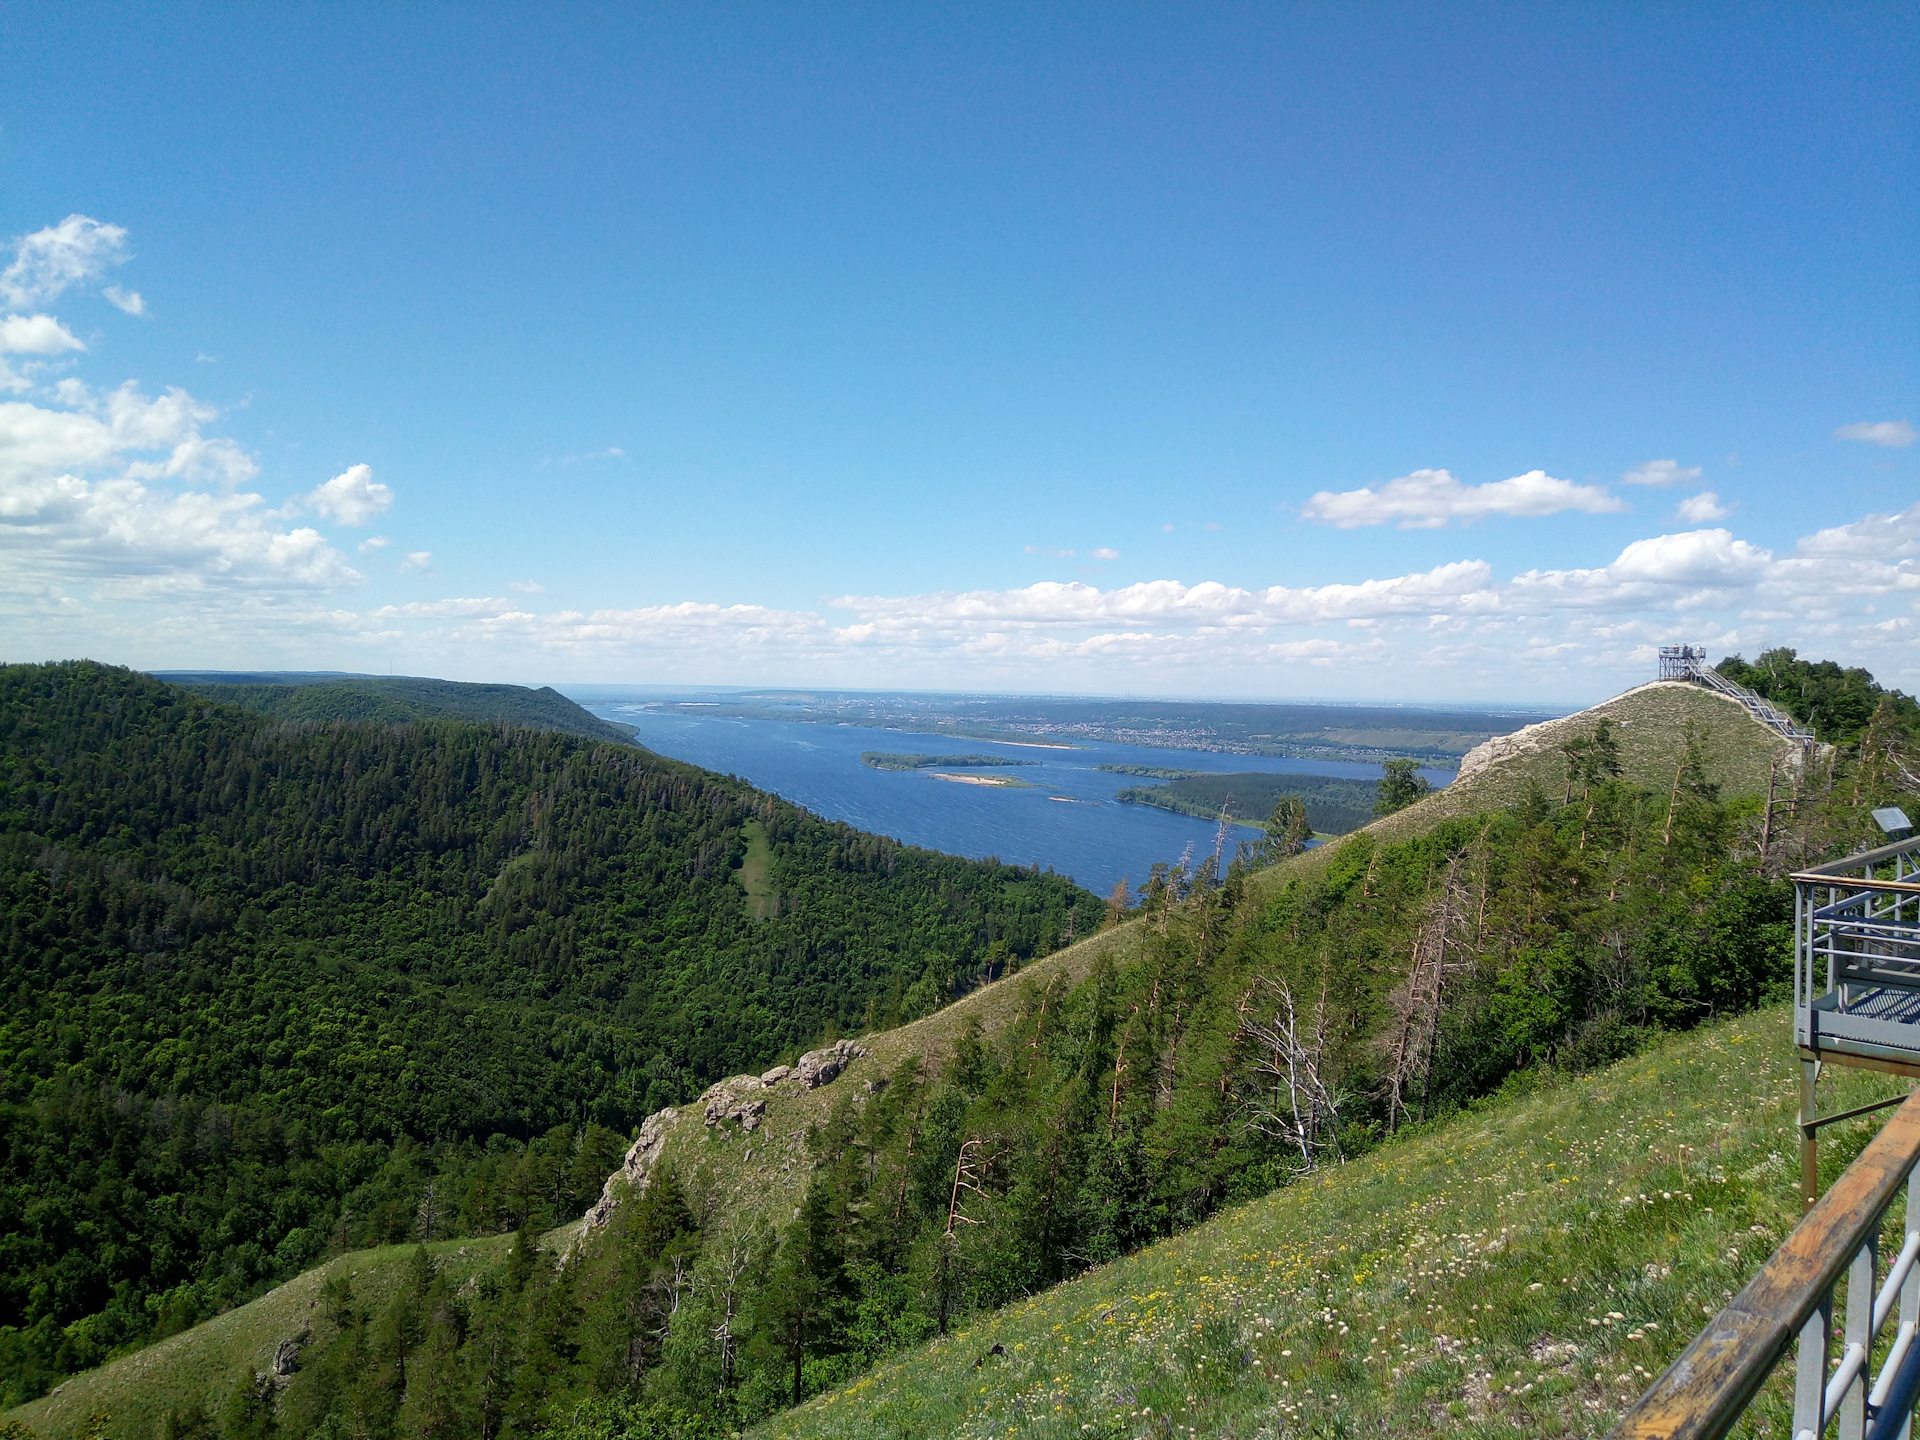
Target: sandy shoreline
(999, 781)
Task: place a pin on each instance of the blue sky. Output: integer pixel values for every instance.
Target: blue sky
(801, 344)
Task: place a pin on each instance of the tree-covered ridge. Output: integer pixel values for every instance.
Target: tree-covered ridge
(405, 699)
(1841, 703)
(275, 988)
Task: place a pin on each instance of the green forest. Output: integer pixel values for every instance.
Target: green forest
(1335, 804)
(399, 700)
(1256, 1033)
(276, 988)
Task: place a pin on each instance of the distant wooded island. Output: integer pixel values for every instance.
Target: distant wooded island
(1335, 804)
(888, 760)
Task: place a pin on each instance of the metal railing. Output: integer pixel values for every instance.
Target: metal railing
(1856, 971)
(1689, 662)
(1704, 1392)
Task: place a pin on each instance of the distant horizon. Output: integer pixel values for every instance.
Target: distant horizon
(564, 687)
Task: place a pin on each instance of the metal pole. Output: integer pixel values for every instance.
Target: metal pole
(1810, 1373)
(1809, 1135)
(1862, 1278)
(1910, 1291)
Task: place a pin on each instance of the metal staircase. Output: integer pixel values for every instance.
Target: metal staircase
(1689, 662)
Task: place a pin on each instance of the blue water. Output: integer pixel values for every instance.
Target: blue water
(1086, 835)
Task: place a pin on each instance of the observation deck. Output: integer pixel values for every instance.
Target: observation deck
(1856, 972)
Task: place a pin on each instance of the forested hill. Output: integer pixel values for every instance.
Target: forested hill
(275, 988)
(398, 700)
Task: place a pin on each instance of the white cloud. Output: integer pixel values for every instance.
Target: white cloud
(126, 494)
(353, 497)
(526, 587)
(1688, 569)
(1051, 553)
(1876, 537)
(1893, 434)
(612, 452)
(1104, 553)
(1429, 499)
(1462, 585)
(127, 300)
(417, 562)
(372, 543)
(440, 609)
(51, 261)
(35, 335)
(1702, 508)
(1661, 472)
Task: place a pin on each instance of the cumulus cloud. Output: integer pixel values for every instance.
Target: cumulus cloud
(127, 300)
(126, 492)
(373, 543)
(1105, 553)
(1893, 434)
(49, 262)
(1702, 508)
(526, 587)
(1661, 472)
(1430, 499)
(353, 497)
(1687, 570)
(417, 562)
(1851, 591)
(35, 335)
(1875, 537)
(1462, 585)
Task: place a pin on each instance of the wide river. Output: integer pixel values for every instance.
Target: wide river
(1085, 834)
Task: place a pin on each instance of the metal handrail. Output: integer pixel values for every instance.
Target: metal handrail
(1702, 1394)
(1867, 858)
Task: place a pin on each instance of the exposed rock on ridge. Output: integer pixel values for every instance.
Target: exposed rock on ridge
(634, 1170)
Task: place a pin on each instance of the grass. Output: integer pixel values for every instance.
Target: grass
(756, 873)
(1650, 724)
(199, 1366)
(1520, 1270)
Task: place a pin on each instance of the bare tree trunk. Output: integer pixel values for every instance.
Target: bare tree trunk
(1294, 1104)
(1418, 1001)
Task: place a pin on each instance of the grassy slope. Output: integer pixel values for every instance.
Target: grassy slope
(198, 1367)
(1650, 724)
(1520, 1270)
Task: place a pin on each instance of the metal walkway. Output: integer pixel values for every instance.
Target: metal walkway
(1689, 662)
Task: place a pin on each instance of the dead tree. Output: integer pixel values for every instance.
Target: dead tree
(1439, 952)
(1293, 1103)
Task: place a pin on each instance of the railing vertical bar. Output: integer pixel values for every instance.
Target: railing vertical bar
(1810, 1372)
(1910, 1291)
(1862, 1279)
